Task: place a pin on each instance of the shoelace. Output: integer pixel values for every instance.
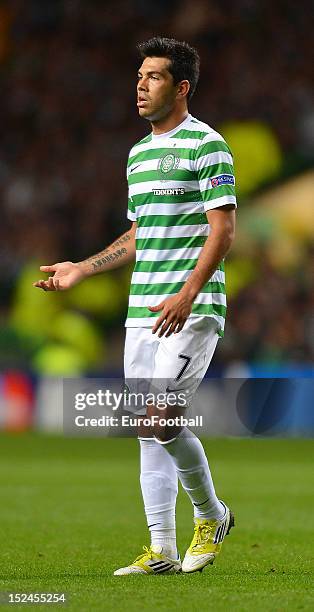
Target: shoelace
(201, 533)
(147, 551)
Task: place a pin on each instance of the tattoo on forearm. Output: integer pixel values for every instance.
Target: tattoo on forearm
(102, 261)
(115, 244)
(123, 239)
(105, 256)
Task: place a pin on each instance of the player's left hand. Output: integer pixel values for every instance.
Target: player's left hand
(175, 311)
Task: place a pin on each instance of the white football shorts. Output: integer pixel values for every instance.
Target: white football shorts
(169, 365)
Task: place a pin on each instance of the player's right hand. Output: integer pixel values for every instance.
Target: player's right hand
(65, 275)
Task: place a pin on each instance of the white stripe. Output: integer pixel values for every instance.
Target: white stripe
(192, 124)
(208, 159)
(163, 143)
(150, 165)
(211, 298)
(167, 143)
(217, 202)
(172, 231)
(179, 208)
(200, 126)
(167, 254)
(195, 125)
(216, 157)
(148, 186)
(218, 277)
(212, 135)
(150, 321)
(141, 166)
(141, 321)
(154, 300)
(154, 278)
(146, 300)
(173, 276)
(182, 143)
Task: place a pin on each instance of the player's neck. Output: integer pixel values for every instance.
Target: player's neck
(170, 122)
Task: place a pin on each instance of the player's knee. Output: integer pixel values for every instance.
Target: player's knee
(166, 434)
(166, 424)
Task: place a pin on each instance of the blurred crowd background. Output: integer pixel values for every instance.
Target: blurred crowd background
(68, 118)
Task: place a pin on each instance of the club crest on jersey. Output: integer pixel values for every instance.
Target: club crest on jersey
(167, 164)
(222, 179)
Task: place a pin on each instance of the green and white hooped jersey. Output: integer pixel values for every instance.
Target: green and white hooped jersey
(173, 179)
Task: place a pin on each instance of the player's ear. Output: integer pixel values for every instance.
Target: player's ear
(183, 89)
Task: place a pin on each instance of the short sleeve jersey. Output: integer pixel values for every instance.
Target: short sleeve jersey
(173, 179)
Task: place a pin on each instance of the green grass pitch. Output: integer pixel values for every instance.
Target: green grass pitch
(71, 512)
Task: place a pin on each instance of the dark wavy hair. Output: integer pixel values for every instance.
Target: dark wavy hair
(184, 59)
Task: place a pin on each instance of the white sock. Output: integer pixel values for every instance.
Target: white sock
(159, 484)
(193, 471)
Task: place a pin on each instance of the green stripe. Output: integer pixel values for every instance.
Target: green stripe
(163, 288)
(152, 154)
(218, 192)
(215, 169)
(181, 175)
(150, 198)
(131, 206)
(196, 135)
(147, 138)
(184, 153)
(217, 309)
(205, 147)
(169, 265)
(170, 243)
(172, 220)
(202, 309)
(154, 175)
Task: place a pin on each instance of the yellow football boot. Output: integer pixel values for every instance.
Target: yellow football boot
(208, 537)
(151, 561)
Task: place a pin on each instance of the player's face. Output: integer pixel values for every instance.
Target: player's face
(156, 92)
